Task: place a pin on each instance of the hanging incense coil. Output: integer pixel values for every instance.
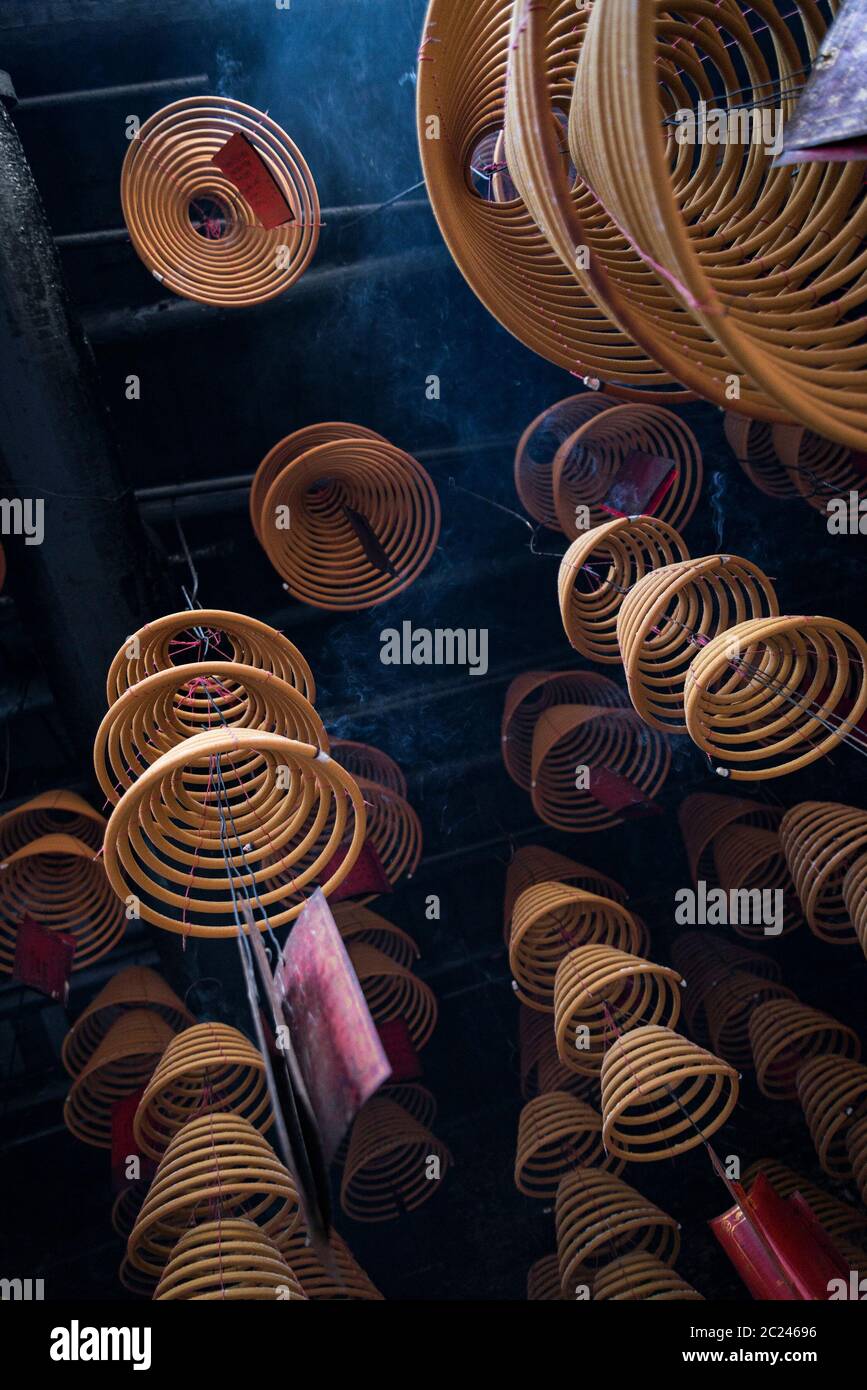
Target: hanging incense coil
(750, 860)
(802, 686)
(821, 841)
(704, 814)
(832, 1091)
(392, 991)
(50, 813)
(119, 1067)
(360, 925)
(588, 464)
(126, 1207)
(671, 613)
(541, 1068)
(136, 987)
(287, 450)
(215, 634)
(161, 711)
(706, 960)
(209, 1067)
(556, 1132)
(752, 442)
(838, 1218)
(549, 921)
(570, 740)
(230, 1259)
(370, 764)
(856, 1150)
(218, 1165)
(134, 1281)
(543, 1281)
(345, 1281)
(350, 523)
(598, 572)
(600, 1218)
(193, 227)
(416, 1100)
(168, 844)
(61, 884)
(642, 1278)
(598, 990)
(855, 899)
(538, 446)
(662, 1094)
(535, 864)
(534, 692)
(784, 1034)
(386, 1167)
(729, 1005)
(819, 468)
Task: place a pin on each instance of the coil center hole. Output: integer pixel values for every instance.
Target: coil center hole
(210, 217)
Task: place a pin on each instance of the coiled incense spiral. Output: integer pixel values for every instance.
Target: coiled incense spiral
(705, 960)
(344, 1281)
(537, 864)
(600, 1218)
(549, 921)
(642, 1278)
(832, 1091)
(358, 924)
(538, 446)
(598, 990)
(543, 1281)
(556, 1132)
(822, 840)
(392, 991)
(231, 1260)
(819, 468)
(534, 692)
(784, 1034)
(287, 450)
(751, 860)
(541, 1068)
(389, 1164)
(729, 1005)
(703, 815)
(119, 1067)
(50, 813)
(136, 987)
(370, 764)
(752, 442)
(855, 899)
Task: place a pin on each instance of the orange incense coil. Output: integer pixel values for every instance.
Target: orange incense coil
(750, 860)
(534, 692)
(598, 572)
(134, 1281)
(549, 921)
(392, 991)
(600, 1218)
(61, 883)
(350, 524)
(802, 687)
(162, 710)
(541, 1068)
(838, 1218)
(556, 1132)
(752, 442)
(231, 1259)
(587, 464)
(855, 899)
(572, 742)
(538, 446)
(119, 1067)
(662, 1094)
(706, 960)
(856, 1150)
(218, 1165)
(208, 633)
(209, 1067)
(386, 1169)
(346, 1280)
(729, 1005)
(416, 1100)
(642, 1278)
(833, 1095)
(193, 227)
(287, 450)
(703, 815)
(819, 468)
(370, 764)
(270, 799)
(358, 924)
(535, 864)
(137, 987)
(597, 991)
(784, 1034)
(543, 1281)
(821, 841)
(50, 813)
(670, 614)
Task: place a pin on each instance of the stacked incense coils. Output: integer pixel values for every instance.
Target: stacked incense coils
(347, 520)
(785, 461)
(393, 1164)
(825, 844)
(137, 987)
(219, 203)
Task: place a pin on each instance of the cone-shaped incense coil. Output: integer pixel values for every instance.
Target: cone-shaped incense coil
(833, 1095)
(839, 1219)
(785, 1033)
(751, 864)
(50, 813)
(119, 1067)
(729, 1005)
(855, 899)
(227, 1259)
(538, 446)
(534, 692)
(392, 991)
(190, 223)
(358, 924)
(549, 921)
(287, 450)
(394, 1164)
(642, 1278)
(752, 442)
(126, 1207)
(706, 959)
(598, 991)
(536, 864)
(371, 764)
(599, 1218)
(819, 468)
(345, 1281)
(556, 1132)
(416, 1100)
(821, 840)
(541, 1068)
(137, 987)
(543, 1281)
(703, 815)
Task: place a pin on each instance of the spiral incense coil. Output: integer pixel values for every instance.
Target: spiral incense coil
(541, 1068)
(386, 1167)
(819, 468)
(822, 840)
(588, 463)
(50, 813)
(802, 688)
(549, 921)
(370, 764)
(749, 861)
(642, 1278)
(137, 987)
(170, 846)
(290, 449)
(784, 1034)
(175, 639)
(193, 227)
(752, 442)
(537, 448)
(134, 1281)
(729, 1005)
(61, 883)
(856, 1150)
(207, 1067)
(855, 899)
(536, 864)
(598, 572)
(126, 1207)
(838, 1218)
(600, 1218)
(530, 695)
(230, 1259)
(325, 498)
(360, 925)
(161, 711)
(120, 1066)
(543, 1281)
(218, 1165)
(704, 814)
(662, 1094)
(833, 1095)
(556, 1132)
(706, 960)
(572, 737)
(597, 991)
(345, 1281)
(392, 991)
(416, 1100)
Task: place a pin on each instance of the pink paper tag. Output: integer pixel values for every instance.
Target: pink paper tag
(366, 875)
(244, 167)
(620, 795)
(641, 483)
(43, 959)
(123, 1143)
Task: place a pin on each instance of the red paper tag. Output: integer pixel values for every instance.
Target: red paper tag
(774, 1250)
(366, 875)
(123, 1143)
(399, 1049)
(620, 795)
(641, 483)
(43, 959)
(243, 165)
